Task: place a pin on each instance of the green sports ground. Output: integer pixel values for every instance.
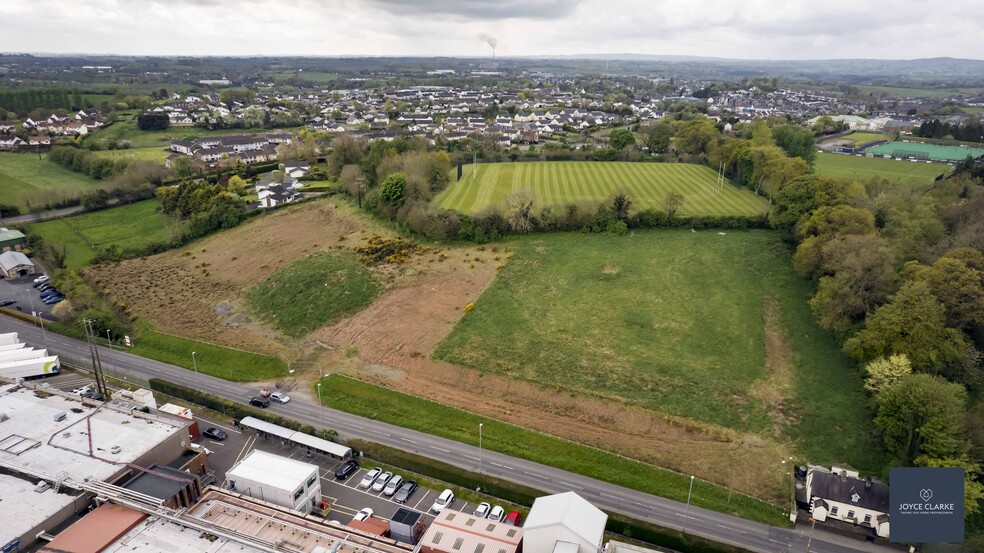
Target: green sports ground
(922, 150)
(561, 182)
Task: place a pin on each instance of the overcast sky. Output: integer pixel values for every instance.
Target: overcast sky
(759, 29)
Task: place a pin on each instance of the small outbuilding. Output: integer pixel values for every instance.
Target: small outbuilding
(14, 264)
(11, 239)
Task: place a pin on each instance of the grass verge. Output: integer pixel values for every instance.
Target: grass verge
(226, 363)
(419, 414)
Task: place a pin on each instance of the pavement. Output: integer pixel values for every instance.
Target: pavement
(712, 525)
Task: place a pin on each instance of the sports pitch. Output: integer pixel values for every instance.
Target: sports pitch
(922, 150)
(562, 182)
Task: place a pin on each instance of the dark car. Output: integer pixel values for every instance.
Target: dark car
(93, 395)
(405, 491)
(346, 470)
(260, 401)
(50, 292)
(215, 434)
(5, 303)
(52, 300)
(45, 286)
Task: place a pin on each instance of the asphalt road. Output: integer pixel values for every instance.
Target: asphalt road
(716, 526)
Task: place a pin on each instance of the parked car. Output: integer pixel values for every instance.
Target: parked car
(5, 303)
(444, 500)
(280, 397)
(514, 519)
(497, 514)
(53, 300)
(216, 434)
(364, 514)
(483, 510)
(380, 482)
(41, 279)
(82, 390)
(260, 401)
(50, 292)
(406, 491)
(346, 469)
(370, 477)
(393, 485)
(93, 395)
(44, 287)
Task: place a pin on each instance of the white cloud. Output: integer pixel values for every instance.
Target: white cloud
(794, 29)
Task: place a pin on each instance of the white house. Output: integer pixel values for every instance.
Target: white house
(565, 523)
(840, 494)
(277, 480)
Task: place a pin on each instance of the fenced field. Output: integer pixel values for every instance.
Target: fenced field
(561, 182)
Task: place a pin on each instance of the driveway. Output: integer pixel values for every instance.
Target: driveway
(22, 291)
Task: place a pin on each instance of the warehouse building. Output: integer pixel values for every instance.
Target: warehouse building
(564, 523)
(454, 532)
(11, 240)
(14, 264)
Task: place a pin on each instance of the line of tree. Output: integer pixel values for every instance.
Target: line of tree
(971, 130)
(900, 279)
(30, 99)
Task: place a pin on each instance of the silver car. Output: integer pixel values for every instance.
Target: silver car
(393, 485)
(370, 477)
(381, 481)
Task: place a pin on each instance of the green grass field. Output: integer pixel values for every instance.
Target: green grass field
(865, 168)
(313, 291)
(127, 130)
(226, 363)
(151, 153)
(901, 92)
(26, 179)
(671, 321)
(859, 138)
(412, 412)
(560, 182)
(83, 236)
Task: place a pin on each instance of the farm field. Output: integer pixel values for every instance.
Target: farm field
(127, 130)
(561, 182)
(862, 169)
(26, 179)
(901, 92)
(83, 236)
(657, 323)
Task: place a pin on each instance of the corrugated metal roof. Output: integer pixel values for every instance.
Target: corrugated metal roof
(297, 437)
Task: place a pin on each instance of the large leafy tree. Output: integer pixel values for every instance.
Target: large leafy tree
(796, 141)
(863, 276)
(886, 371)
(914, 324)
(620, 138)
(922, 415)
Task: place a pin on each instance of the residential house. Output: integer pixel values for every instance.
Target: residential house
(840, 494)
(10, 142)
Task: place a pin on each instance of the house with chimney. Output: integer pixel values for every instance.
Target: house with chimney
(842, 495)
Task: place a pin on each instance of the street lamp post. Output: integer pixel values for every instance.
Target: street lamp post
(686, 517)
(321, 407)
(38, 316)
(480, 446)
(194, 362)
(109, 339)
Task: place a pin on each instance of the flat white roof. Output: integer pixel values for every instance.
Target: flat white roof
(272, 470)
(22, 509)
(337, 450)
(153, 536)
(32, 440)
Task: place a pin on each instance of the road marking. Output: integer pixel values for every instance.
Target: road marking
(572, 485)
(503, 466)
(610, 495)
(409, 440)
(723, 526)
(470, 457)
(536, 475)
(440, 449)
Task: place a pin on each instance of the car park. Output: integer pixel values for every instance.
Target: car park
(216, 434)
(406, 490)
(497, 514)
(482, 510)
(394, 484)
(260, 401)
(364, 514)
(443, 501)
(280, 397)
(370, 477)
(346, 469)
(514, 519)
(380, 482)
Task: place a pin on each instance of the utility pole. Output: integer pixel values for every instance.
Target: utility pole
(686, 517)
(96, 363)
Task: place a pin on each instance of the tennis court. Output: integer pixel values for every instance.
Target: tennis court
(922, 150)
